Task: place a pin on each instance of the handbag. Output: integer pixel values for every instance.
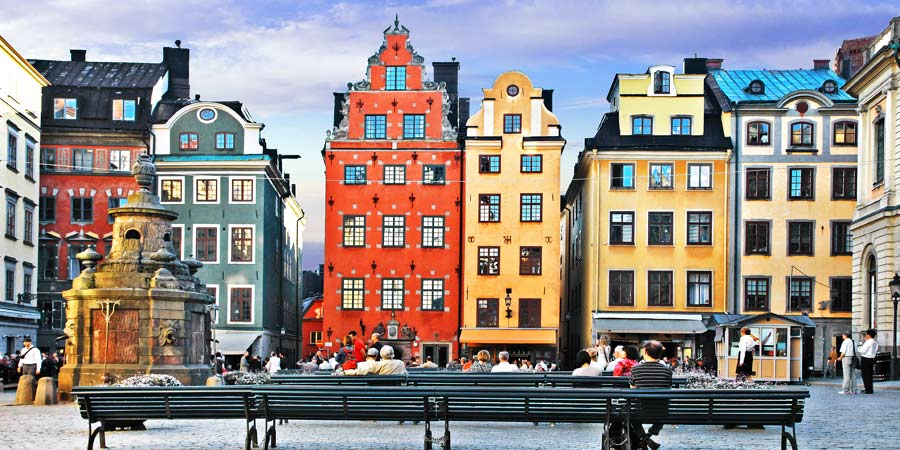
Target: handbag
(855, 362)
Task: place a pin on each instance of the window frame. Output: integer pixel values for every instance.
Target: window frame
(523, 165)
(530, 206)
(398, 177)
(12, 148)
(486, 164)
(619, 285)
(835, 195)
(623, 224)
(389, 286)
(375, 126)
(252, 290)
(11, 216)
(621, 178)
(30, 146)
(662, 82)
(414, 126)
(205, 180)
(650, 170)
(658, 285)
(844, 123)
(353, 290)
(171, 182)
(191, 144)
(28, 229)
(206, 239)
(484, 215)
(651, 224)
(700, 242)
(86, 158)
(748, 224)
(766, 297)
(434, 181)
(832, 281)
(114, 202)
(243, 190)
(512, 124)
(485, 257)
(124, 111)
(681, 119)
(690, 283)
(487, 312)
(231, 243)
(392, 82)
(82, 200)
(355, 227)
(792, 135)
(756, 171)
(428, 293)
(527, 262)
(118, 155)
(429, 229)
(225, 135)
(45, 209)
(699, 186)
(63, 114)
(529, 314)
(645, 129)
(352, 174)
(812, 238)
(835, 226)
(811, 181)
(759, 133)
(790, 290)
(390, 241)
(879, 135)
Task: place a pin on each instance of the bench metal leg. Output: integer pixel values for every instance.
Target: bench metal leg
(93, 435)
(445, 444)
(788, 438)
(270, 435)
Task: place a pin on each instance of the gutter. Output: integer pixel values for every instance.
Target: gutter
(736, 282)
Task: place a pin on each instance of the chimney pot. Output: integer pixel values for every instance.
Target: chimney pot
(197, 97)
(821, 64)
(78, 55)
(714, 63)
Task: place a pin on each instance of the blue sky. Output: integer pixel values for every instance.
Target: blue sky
(283, 58)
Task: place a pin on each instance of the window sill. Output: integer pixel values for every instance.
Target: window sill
(699, 244)
(663, 245)
(843, 199)
(30, 178)
(761, 199)
(664, 189)
(810, 255)
(622, 189)
(622, 244)
(811, 150)
(28, 243)
(878, 184)
(12, 168)
(699, 189)
(801, 199)
(699, 306)
(10, 237)
(488, 274)
(758, 254)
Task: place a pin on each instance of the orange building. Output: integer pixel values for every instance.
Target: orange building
(392, 219)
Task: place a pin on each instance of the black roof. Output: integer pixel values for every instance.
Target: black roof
(100, 74)
(608, 137)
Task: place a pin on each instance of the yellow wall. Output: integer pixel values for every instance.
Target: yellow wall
(686, 99)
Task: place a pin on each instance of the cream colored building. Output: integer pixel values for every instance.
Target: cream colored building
(511, 281)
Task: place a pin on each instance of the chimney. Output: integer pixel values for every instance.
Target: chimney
(78, 55)
(714, 63)
(178, 61)
(448, 72)
(821, 64)
(464, 112)
(338, 103)
(695, 66)
(547, 95)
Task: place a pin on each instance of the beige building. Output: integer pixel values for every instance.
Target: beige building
(511, 282)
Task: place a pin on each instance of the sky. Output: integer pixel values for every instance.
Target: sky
(284, 59)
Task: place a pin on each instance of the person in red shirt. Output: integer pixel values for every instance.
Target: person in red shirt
(359, 347)
(623, 367)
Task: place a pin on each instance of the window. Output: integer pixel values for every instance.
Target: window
(315, 337)
(530, 205)
(661, 81)
(681, 126)
(488, 312)
(48, 158)
(74, 264)
(413, 126)
(433, 174)
(241, 304)
(756, 294)
(82, 209)
(841, 239)
(841, 294)
(699, 288)
(352, 293)
(26, 282)
(376, 126)
(12, 148)
(354, 231)
(177, 239)
(224, 141)
(394, 174)
(354, 174)
(29, 158)
(393, 231)
(489, 164)
(188, 141)
(114, 202)
(242, 190)
(699, 228)
(433, 231)
(207, 190)
(800, 238)
(123, 109)
(10, 286)
(28, 229)
(48, 260)
(802, 134)
(432, 294)
(661, 176)
(801, 180)
(758, 183)
(489, 207)
(800, 293)
(879, 151)
(622, 176)
(529, 260)
(757, 238)
(207, 244)
(699, 176)
(120, 160)
(758, 133)
(83, 159)
(171, 191)
(621, 227)
(395, 78)
(641, 125)
(659, 288)
(488, 260)
(512, 123)
(242, 244)
(844, 133)
(529, 313)
(532, 163)
(65, 108)
(757, 87)
(11, 217)
(660, 228)
(843, 183)
(621, 288)
(47, 209)
(392, 293)
(829, 87)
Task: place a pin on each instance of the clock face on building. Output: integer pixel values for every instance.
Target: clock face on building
(207, 114)
(512, 90)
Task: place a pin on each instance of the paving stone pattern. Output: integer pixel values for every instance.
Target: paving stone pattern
(873, 419)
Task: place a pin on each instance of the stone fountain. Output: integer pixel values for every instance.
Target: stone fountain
(142, 310)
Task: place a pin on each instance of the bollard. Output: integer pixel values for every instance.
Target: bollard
(25, 390)
(215, 380)
(46, 392)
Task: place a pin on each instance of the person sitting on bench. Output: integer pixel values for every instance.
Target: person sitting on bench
(650, 374)
(387, 366)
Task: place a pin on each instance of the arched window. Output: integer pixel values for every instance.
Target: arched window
(829, 87)
(133, 234)
(758, 133)
(802, 134)
(844, 133)
(871, 293)
(661, 82)
(756, 87)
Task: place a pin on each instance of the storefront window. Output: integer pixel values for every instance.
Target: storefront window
(781, 341)
(766, 341)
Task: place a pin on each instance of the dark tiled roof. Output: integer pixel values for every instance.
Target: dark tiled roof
(778, 84)
(608, 138)
(100, 74)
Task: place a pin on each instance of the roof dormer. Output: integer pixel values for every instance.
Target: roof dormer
(756, 87)
(661, 80)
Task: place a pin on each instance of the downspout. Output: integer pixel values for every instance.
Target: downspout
(736, 243)
(595, 228)
(297, 285)
(460, 244)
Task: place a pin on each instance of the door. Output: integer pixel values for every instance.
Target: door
(439, 353)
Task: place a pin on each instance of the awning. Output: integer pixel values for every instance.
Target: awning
(508, 336)
(641, 325)
(19, 312)
(234, 342)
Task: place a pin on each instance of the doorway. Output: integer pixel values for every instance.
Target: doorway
(439, 353)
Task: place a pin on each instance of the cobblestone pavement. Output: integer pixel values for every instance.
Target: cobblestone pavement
(873, 419)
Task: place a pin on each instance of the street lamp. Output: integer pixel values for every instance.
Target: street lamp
(508, 301)
(895, 296)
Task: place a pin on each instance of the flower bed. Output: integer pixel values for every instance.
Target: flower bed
(697, 379)
(245, 378)
(152, 379)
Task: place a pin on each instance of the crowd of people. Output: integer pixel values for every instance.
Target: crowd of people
(29, 361)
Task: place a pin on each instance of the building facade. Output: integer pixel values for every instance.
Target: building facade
(511, 222)
(793, 193)
(20, 108)
(876, 220)
(95, 117)
(647, 229)
(393, 203)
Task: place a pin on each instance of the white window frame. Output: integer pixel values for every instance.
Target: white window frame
(118, 151)
(218, 228)
(253, 256)
(252, 303)
(700, 174)
(159, 189)
(181, 227)
(218, 181)
(124, 117)
(231, 200)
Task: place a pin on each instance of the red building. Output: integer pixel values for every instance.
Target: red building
(312, 327)
(393, 170)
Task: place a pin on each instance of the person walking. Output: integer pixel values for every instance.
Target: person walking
(30, 359)
(746, 347)
(831, 367)
(848, 351)
(274, 364)
(867, 354)
(245, 362)
(603, 355)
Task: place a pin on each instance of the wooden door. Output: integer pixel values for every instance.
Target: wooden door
(124, 330)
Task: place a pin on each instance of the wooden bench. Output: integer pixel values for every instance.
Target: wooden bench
(111, 405)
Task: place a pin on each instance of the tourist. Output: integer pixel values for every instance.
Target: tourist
(848, 351)
(541, 366)
(274, 364)
(245, 362)
(746, 347)
(583, 367)
(466, 364)
(867, 354)
(603, 355)
(623, 368)
(831, 366)
(482, 363)
(346, 356)
(386, 366)
(454, 365)
(376, 343)
(255, 364)
(618, 355)
(30, 361)
(219, 361)
(429, 364)
(359, 347)
(504, 366)
(650, 375)
(372, 356)
(415, 362)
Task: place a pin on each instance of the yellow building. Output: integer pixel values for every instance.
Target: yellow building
(647, 229)
(511, 281)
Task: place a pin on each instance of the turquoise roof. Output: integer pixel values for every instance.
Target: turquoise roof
(191, 158)
(778, 83)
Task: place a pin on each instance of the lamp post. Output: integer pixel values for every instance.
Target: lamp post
(508, 301)
(895, 296)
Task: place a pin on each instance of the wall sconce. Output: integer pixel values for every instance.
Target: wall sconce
(430, 101)
(330, 200)
(396, 48)
(375, 199)
(412, 198)
(508, 301)
(457, 269)
(412, 266)
(359, 105)
(457, 202)
(374, 265)
(330, 268)
(374, 156)
(331, 156)
(329, 333)
(362, 327)
(456, 156)
(415, 155)
(394, 103)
